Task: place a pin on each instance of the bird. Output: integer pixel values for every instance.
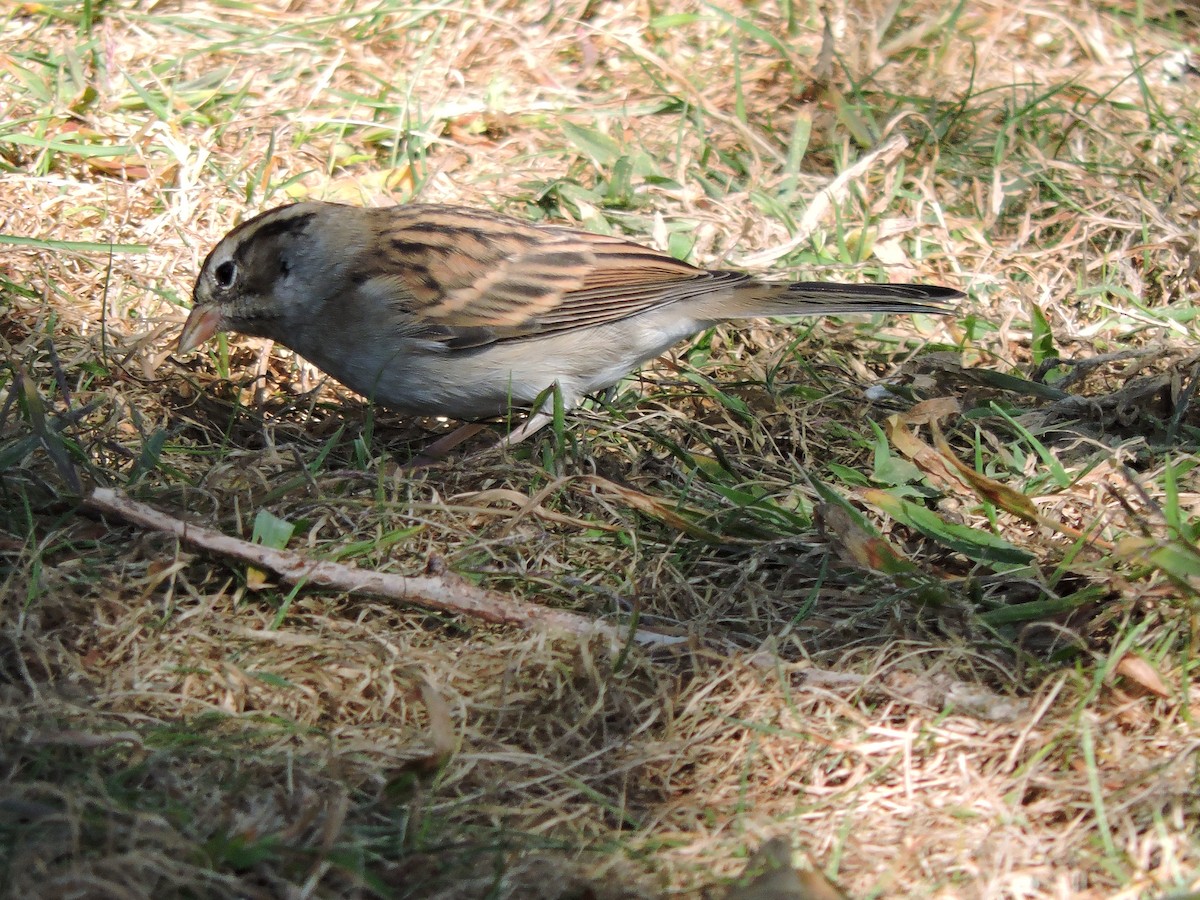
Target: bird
(470, 314)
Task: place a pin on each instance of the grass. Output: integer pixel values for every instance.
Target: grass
(938, 579)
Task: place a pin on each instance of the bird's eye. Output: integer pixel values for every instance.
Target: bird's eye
(226, 273)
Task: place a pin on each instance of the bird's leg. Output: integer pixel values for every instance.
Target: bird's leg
(534, 423)
(439, 449)
(551, 403)
(552, 398)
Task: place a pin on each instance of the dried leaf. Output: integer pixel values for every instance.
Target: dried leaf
(925, 458)
(989, 489)
(932, 411)
(859, 546)
(1138, 670)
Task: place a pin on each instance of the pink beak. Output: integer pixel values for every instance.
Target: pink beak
(203, 323)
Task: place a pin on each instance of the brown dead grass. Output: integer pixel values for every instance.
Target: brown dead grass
(168, 732)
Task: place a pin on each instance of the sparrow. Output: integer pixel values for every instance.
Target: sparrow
(447, 311)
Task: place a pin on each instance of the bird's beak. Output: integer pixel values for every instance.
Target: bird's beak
(203, 323)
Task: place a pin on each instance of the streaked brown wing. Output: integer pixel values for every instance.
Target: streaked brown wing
(487, 273)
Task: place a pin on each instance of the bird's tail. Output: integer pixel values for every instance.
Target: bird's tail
(820, 298)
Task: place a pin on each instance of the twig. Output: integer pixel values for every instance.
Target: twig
(444, 593)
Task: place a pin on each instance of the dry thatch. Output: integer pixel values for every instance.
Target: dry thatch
(940, 666)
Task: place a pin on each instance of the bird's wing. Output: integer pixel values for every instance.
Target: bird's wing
(484, 276)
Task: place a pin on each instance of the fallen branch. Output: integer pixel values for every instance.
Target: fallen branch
(443, 593)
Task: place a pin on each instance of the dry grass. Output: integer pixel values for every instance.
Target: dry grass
(932, 683)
